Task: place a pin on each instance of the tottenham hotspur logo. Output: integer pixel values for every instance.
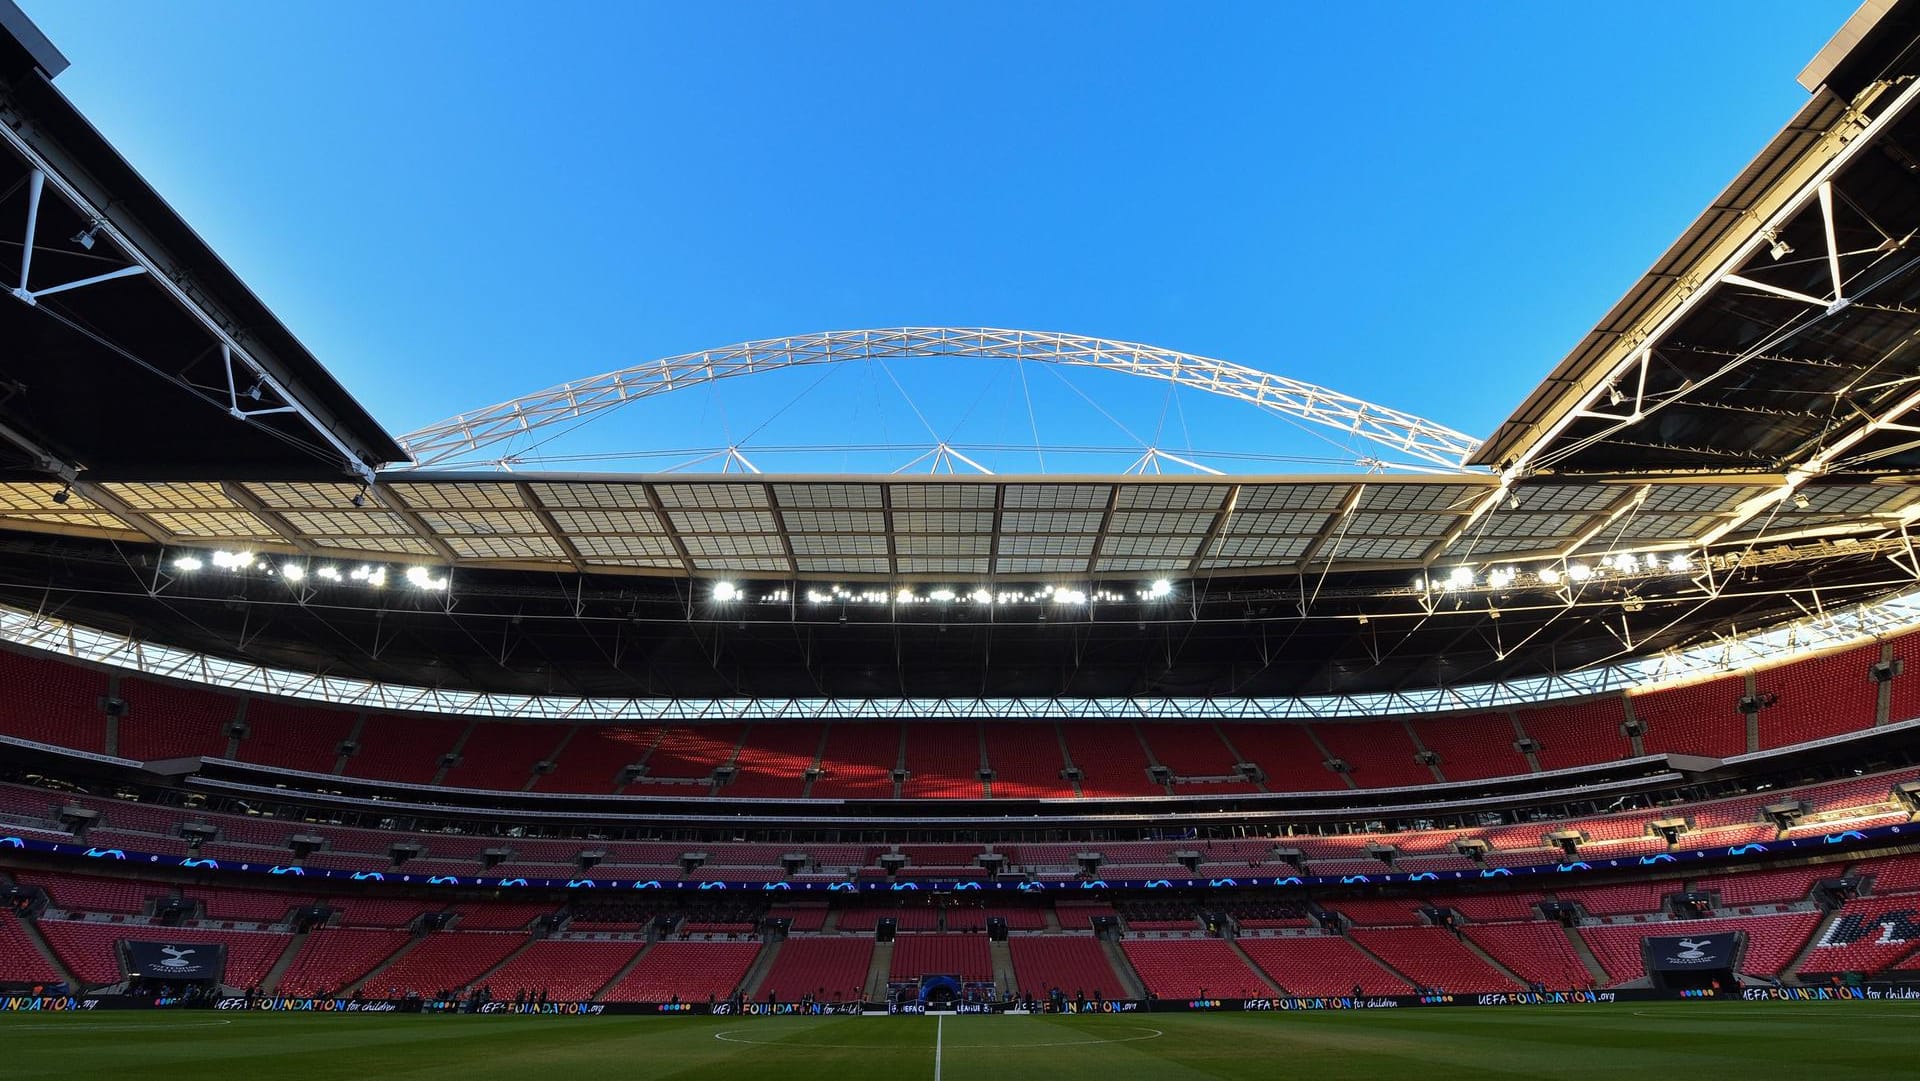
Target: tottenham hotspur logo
(177, 957)
(1691, 951)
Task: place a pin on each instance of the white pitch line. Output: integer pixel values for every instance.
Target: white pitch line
(939, 1028)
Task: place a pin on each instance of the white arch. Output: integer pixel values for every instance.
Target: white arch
(458, 438)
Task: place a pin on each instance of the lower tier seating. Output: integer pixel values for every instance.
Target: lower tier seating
(827, 968)
(1193, 968)
(1071, 963)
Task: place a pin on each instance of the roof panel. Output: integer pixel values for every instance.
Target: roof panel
(1172, 545)
(1052, 521)
(939, 565)
(484, 522)
(943, 521)
(586, 494)
(1241, 522)
(943, 496)
(1412, 497)
(1292, 497)
(1268, 548)
(723, 521)
(181, 495)
(732, 544)
(213, 524)
(844, 545)
(827, 496)
(504, 547)
(597, 548)
(1057, 496)
(960, 544)
(348, 522)
(1021, 565)
(1051, 544)
(1378, 548)
(712, 496)
(842, 565)
(1160, 522)
(472, 496)
(576, 522)
(834, 521)
(1206, 497)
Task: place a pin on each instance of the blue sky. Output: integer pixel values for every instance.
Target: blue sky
(1421, 204)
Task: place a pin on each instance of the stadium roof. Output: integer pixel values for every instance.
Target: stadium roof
(1733, 445)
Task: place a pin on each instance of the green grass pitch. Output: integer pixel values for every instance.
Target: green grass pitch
(1677, 1040)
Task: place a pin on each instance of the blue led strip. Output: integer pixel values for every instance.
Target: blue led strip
(1745, 852)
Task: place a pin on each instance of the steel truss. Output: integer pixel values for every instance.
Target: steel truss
(1435, 447)
(1816, 633)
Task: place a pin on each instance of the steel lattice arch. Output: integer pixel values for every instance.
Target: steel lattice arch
(461, 439)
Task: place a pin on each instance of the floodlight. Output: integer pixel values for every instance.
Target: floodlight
(1160, 588)
(65, 493)
(1680, 563)
(1549, 576)
(292, 572)
(725, 591)
(188, 563)
(981, 596)
(1579, 572)
(1460, 578)
(943, 594)
(1801, 501)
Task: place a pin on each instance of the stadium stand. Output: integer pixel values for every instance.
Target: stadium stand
(89, 949)
(773, 761)
(1111, 760)
(1071, 963)
(1432, 957)
(685, 972)
(1192, 968)
(1702, 719)
(1818, 697)
(919, 955)
(828, 968)
(1321, 965)
(594, 756)
(444, 961)
(1379, 752)
(859, 760)
(1578, 733)
(943, 761)
(170, 720)
(403, 748)
(20, 960)
(565, 970)
(332, 958)
(1535, 950)
(1772, 941)
(1287, 755)
(1472, 747)
(294, 737)
(1026, 761)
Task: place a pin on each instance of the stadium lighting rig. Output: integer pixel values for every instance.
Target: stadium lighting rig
(1553, 575)
(1062, 595)
(368, 575)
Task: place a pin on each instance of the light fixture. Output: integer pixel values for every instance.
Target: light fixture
(422, 578)
(330, 572)
(1776, 247)
(188, 563)
(84, 238)
(981, 596)
(1500, 577)
(292, 572)
(359, 498)
(905, 596)
(1680, 563)
(1460, 578)
(725, 591)
(1614, 397)
(1549, 576)
(943, 594)
(1579, 572)
(1160, 588)
(65, 493)
(1801, 501)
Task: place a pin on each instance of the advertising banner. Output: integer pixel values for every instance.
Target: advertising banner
(163, 960)
(1692, 953)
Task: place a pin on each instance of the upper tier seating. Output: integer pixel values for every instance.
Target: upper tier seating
(1379, 752)
(1472, 747)
(1818, 697)
(943, 760)
(1111, 760)
(1287, 755)
(859, 760)
(406, 748)
(294, 736)
(173, 720)
(1026, 760)
(829, 968)
(1578, 733)
(774, 760)
(1702, 719)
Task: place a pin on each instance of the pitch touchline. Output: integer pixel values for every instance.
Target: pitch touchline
(939, 1026)
(729, 1036)
(82, 1026)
